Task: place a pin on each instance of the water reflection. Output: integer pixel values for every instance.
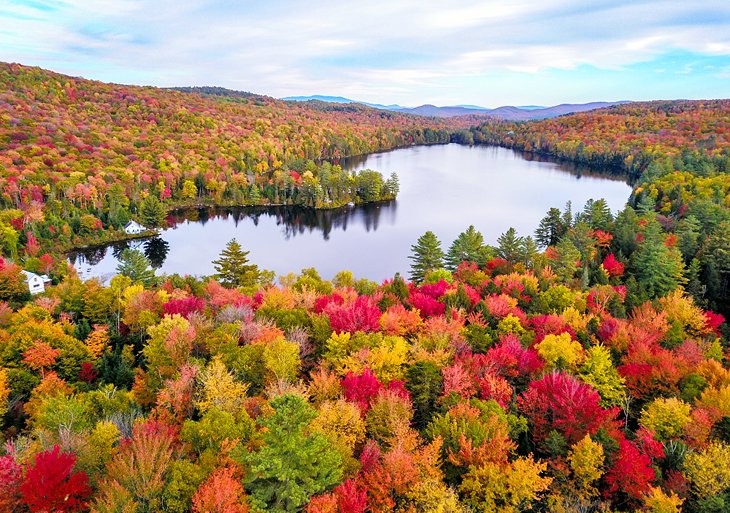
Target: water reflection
(293, 221)
(444, 188)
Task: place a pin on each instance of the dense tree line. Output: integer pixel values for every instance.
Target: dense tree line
(677, 154)
(79, 158)
(514, 380)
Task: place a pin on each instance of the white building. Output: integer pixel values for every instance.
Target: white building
(36, 282)
(134, 228)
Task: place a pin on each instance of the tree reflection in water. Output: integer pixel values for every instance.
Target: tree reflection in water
(293, 221)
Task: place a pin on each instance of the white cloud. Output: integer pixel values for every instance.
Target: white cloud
(411, 50)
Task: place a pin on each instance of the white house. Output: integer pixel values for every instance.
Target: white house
(134, 228)
(36, 282)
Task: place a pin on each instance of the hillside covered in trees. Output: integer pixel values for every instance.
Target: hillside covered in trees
(511, 384)
(585, 369)
(80, 158)
(677, 154)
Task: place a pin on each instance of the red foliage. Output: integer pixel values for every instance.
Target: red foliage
(631, 472)
(51, 485)
(496, 388)
(351, 497)
(651, 370)
(497, 266)
(713, 320)
(88, 373)
(510, 359)
(10, 477)
(46, 263)
(220, 493)
(457, 380)
(32, 247)
(612, 266)
(647, 444)
(370, 456)
(321, 303)
(184, 306)
(427, 306)
(608, 328)
(399, 389)
(361, 389)
(361, 315)
(549, 324)
(560, 401)
(435, 290)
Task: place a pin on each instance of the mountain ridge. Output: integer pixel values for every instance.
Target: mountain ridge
(508, 112)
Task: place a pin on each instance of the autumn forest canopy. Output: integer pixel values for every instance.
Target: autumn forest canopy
(584, 367)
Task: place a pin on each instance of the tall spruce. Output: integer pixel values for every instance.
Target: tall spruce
(232, 268)
(467, 247)
(427, 256)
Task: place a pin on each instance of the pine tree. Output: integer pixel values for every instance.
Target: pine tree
(427, 256)
(658, 269)
(294, 464)
(510, 246)
(152, 212)
(233, 269)
(135, 265)
(469, 247)
(551, 228)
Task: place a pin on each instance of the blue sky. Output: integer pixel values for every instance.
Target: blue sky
(409, 52)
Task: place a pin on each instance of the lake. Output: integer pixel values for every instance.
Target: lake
(443, 188)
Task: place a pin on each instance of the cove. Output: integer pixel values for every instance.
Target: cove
(443, 188)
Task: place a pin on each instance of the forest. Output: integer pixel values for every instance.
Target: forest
(82, 158)
(582, 368)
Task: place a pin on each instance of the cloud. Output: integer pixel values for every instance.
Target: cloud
(407, 51)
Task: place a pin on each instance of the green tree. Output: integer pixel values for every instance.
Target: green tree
(233, 269)
(152, 212)
(468, 246)
(509, 246)
(551, 228)
(658, 268)
(135, 265)
(427, 256)
(424, 382)
(294, 464)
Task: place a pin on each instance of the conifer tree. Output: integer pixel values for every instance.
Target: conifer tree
(135, 265)
(469, 247)
(151, 212)
(427, 256)
(233, 269)
(294, 464)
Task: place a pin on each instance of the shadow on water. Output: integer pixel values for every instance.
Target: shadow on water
(292, 220)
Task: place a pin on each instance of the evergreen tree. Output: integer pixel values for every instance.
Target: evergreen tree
(294, 463)
(509, 246)
(133, 264)
(597, 214)
(152, 212)
(658, 269)
(468, 246)
(427, 256)
(424, 382)
(233, 269)
(551, 228)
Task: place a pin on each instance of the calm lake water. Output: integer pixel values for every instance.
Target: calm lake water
(443, 188)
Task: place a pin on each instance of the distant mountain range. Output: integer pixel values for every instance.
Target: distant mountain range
(521, 113)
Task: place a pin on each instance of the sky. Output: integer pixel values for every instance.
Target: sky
(454, 52)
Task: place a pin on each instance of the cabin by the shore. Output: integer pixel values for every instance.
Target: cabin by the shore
(134, 228)
(36, 282)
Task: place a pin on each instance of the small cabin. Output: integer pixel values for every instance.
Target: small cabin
(36, 282)
(134, 228)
